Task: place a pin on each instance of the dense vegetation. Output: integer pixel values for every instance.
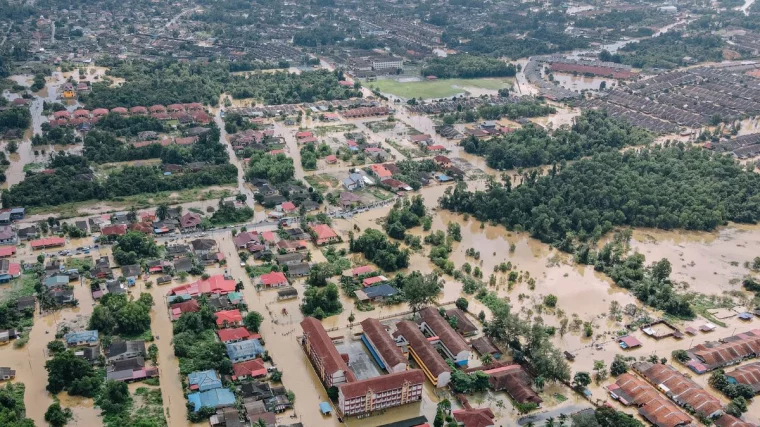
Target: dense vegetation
(12, 409)
(321, 302)
(15, 118)
(195, 342)
(376, 247)
(117, 315)
(468, 66)
(168, 82)
(520, 109)
(104, 147)
(73, 181)
(574, 207)
(73, 374)
(404, 215)
(498, 42)
(277, 169)
(131, 125)
(592, 132)
(133, 247)
(670, 49)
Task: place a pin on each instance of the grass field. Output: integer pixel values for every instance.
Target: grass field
(437, 88)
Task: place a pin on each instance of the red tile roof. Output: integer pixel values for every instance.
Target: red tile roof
(682, 389)
(324, 349)
(114, 230)
(369, 281)
(382, 383)
(273, 278)
(747, 374)
(47, 242)
(252, 368)
(214, 284)
(191, 306)
(233, 334)
(730, 421)
(229, 316)
(474, 417)
(7, 251)
(364, 269)
(422, 347)
(323, 231)
(288, 206)
(730, 350)
(383, 343)
(449, 337)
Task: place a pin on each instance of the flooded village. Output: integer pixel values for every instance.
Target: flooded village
(379, 214)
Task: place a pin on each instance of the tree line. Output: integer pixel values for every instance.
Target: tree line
(169, 82)
(76, 183)
(592, 132)
(467, 67)
(573, 207)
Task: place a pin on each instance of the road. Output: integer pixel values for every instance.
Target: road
(292, 144)
(242, 188)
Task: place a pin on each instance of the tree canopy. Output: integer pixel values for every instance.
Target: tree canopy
(468, 66)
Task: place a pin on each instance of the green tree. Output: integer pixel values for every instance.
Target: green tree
(65, 369)
(581, 380)
(619, 366)
(57, 416)
(253, 321)
(153, 354)
(56, 346)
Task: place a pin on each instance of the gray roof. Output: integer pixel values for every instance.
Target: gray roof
(120, 347)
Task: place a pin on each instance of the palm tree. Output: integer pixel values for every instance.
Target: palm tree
(487, 359)
(549, 422)
(539, 382)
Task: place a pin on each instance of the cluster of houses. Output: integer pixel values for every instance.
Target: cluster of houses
(276, 196)
(244, 349)
(183, 113)
(124, 360)
(431, 342)
(259, 140)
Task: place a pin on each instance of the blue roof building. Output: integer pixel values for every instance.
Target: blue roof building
(56, 281)
(216, 398)
(81, 338)
(204, 380)
(244, 350)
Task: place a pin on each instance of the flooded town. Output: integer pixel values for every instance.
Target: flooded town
(395, 214)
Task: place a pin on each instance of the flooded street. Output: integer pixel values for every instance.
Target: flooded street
(29, 363)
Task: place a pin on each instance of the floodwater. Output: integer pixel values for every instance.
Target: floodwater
(579, 83)
(711, 263)
(29, 363)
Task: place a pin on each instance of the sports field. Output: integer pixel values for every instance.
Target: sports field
(442, 88)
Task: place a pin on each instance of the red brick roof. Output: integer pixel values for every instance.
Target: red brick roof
(213, 285)
(178, 309)
(47, 242)
(422, 347)
(731, 421)
(515, 381)
(7, 251)
(383, 343)
(731, 350)
(382, 383)
(449, 337)
(364, 269)
(324, 349)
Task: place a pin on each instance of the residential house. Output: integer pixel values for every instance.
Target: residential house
(474, 417)
(7, 235)
(217, 284)
(49, 242)
(27, 233)
(131, 272)
(176, 251)
(484, 346)
(114, 230)
(80, 338)
(120, 350)
(231, 335)
(56, 282)
(190, 221)
(251, 369)
(376, 293)
(747, 374)
(203, 246)
(7, 373)
(323, 234)
(203, 380)
(9, 270)
(442, 161)
(26, 303)
(246, 238)
(133, 370)
(354, 181)
(244, 350)
(681, 389)
(90, 354)
(349, 200)
(290, 259)
(228, 318)
(215, 398)
(275, 279)
(179, 309)
(301, 269)
(380, 171)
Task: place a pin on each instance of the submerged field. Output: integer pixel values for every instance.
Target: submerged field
(438, 88)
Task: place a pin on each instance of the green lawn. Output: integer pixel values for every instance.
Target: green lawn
(437, 88)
